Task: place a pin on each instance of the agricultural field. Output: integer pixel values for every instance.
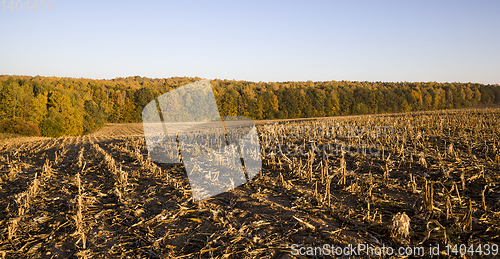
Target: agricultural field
(399, 180)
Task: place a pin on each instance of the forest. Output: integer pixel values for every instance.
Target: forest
(60, 106)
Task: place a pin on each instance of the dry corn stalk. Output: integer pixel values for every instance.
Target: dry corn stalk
(13, 227)
(429, 196)
(13, 171)
(483, 198)
(311, 163)
(370, 186)
(78, 218)
(422, 160)
(80, 157)
(450, 150)
(400, 229)
(462, 179)
(449, 207)
(438, 227)
(386, 174)
(343, 170)
(328, 194)
(305, 223)
(413, 184)
(456, 189)
(466, 222)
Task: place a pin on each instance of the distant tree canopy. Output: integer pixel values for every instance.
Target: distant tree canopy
(56, 106)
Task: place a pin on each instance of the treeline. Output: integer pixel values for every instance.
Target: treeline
(53, 106)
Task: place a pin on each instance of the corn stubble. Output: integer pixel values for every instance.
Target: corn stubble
(433, 179)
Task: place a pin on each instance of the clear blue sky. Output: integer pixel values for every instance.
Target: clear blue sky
(444, 41)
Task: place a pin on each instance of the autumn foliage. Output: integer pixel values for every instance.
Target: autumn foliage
(75, 106)
(19, 126)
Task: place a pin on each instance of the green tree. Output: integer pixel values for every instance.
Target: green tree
(53, 125)
(129, 111)
(38, 109)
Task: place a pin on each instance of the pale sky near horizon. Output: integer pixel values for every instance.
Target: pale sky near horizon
(443, 41)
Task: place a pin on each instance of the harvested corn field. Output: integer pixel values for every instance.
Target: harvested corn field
(403, 180)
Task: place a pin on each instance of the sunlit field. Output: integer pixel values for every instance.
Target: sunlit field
(414, 179)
